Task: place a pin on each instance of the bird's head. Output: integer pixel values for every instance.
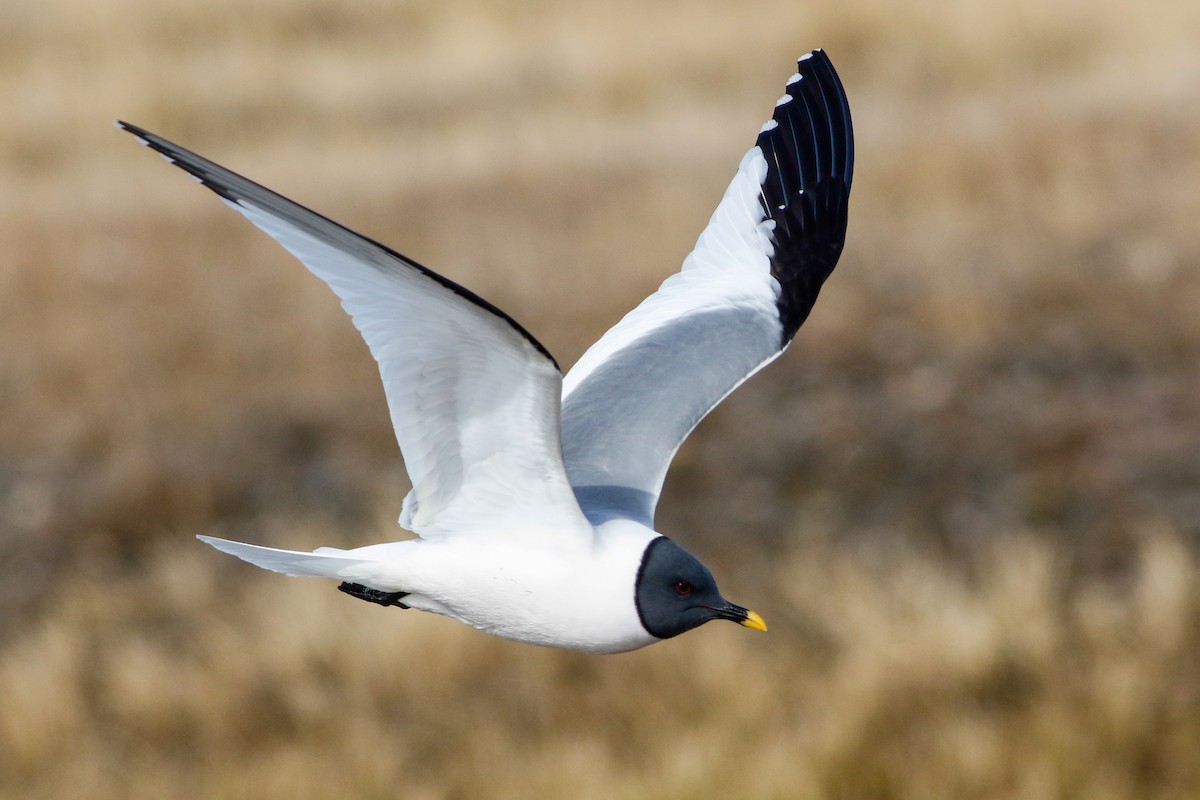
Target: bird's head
(675, 593)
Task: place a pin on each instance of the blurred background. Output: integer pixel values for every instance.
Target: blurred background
(967, 500)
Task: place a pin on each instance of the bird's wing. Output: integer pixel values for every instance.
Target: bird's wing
(742, 293)
(474, 398)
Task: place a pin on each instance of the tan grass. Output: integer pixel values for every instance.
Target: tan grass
(966, 500)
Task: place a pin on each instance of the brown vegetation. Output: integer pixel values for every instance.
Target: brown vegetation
(966, 500)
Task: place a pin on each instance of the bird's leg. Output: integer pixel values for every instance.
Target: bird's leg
(373, 595)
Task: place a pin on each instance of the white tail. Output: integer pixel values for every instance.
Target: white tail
(325, 562)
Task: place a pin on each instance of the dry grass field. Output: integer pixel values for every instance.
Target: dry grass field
(967, 500)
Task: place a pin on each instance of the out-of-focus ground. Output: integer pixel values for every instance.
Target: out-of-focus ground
(967, 500)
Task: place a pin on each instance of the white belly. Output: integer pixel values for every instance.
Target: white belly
(580, 600)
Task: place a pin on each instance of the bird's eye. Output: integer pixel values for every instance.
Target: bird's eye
(683, 587)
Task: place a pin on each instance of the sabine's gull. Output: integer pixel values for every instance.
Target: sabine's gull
(533, 494)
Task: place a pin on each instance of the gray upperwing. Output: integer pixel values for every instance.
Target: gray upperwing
(623, 423)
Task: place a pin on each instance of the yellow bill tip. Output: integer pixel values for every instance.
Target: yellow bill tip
(753, 620)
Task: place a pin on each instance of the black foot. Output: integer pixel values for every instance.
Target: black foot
(373, 595)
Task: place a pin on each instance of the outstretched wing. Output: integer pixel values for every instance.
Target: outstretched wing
(474, 398)
(746, 288)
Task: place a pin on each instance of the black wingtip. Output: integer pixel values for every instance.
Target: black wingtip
(141, 134)
(156, 143)
(808, 146)
(210, 175)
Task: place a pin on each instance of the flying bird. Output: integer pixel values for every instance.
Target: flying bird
(533, 494)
